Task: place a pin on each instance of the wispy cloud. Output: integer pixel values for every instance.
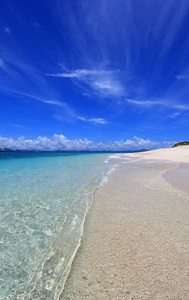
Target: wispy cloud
(62, 111)
(143, 103)
(98, 120)
(81, 73)
(18, 126)
(175, 115)
(94, 120)
(4, 67)
(17, 65)
(105, 83)
(164, 103)
(176, 13)
(52, 102)
(182, 77)
(65, 109)
(7, 30)
(36, 24)
(27, 77)
(1, 63)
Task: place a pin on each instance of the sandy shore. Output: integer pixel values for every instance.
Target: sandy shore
(136, 238)
(178, 154)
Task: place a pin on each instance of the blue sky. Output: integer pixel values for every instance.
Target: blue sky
(88, 74)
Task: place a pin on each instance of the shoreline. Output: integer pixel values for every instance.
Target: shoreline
(135, 243)
(178, 154)
(177, 177)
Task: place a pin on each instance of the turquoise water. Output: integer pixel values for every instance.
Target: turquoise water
(44, 198)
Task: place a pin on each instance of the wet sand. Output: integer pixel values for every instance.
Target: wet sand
(136, 237)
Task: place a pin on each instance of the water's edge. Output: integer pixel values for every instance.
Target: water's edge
(70, 238)
(44, 202)
(103, 179)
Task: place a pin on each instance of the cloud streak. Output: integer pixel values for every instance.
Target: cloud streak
(105, 83)
(164, 103)
(7, 30)
(1, 63)
(95, 120)
(52, 102)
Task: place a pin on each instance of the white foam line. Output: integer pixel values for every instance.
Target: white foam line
(105, 177)
(67, 270)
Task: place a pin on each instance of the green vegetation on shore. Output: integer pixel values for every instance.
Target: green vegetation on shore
(181, 144)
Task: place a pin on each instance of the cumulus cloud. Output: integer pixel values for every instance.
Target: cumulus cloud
(60, 142)
(169, 144)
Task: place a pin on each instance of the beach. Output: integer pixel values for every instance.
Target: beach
(136, 235)
(44, 199)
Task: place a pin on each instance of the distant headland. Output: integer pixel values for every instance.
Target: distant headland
(7, 150)
(181, 144)
(76, 151)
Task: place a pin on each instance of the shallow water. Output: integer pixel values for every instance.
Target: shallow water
(44, 198)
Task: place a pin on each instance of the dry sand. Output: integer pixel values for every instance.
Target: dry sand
(178, 154)
(136, 238)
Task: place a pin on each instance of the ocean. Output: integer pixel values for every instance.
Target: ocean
(44, 199)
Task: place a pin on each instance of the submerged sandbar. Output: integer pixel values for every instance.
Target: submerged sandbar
(136, 238)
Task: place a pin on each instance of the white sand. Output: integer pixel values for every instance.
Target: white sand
(136, 239)
(178, 154)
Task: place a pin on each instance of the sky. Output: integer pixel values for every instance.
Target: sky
(94, 74)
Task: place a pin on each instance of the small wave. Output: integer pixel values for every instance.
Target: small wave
(114, 156)
(104, 179)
